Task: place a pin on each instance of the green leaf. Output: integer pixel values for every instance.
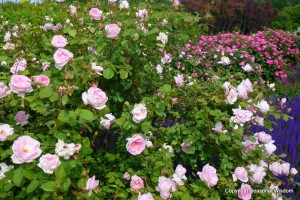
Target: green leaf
(60, 172)
(86, 115)
(29, 174)
(108, 73)
(72, 32)
(123, 74)
(32, 186)
(45, 92)
(48, 186)
(63, 116)
(18, 176)
(65, 99)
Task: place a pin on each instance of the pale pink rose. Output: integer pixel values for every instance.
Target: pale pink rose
(91, 184)
(45, 65)
(20, 85)
(231, 96)
(4, 90)
(165, 187)
(259, 120)
(42, 80)
(247, 68)
(224, 60)
(139, 113)
(185, 146)
(106, 123)
(21, 118)
(136, 183)
(263, 106)
(177, 179)
(270, 148)
(126, 176)
(57, 27)
(4, 169)
(164, 22)
(245, 192)
(135, 145)
(219, 128)
(60, 1)
(241, 174)
(73, 10)
(242, 93)
(275, 168)
(179, 80)
(283, 101)
(167, 59)
(293, 171)
(66, 150)
(95, 14)
(159, 69)
(59, 41)
(258, 174)
(285, 168)
(180, 171)
(147, 196)
(112, 1)
(176, 3)
(62, 57)
(247, 85)
(168, 147)
(95, 97)
(48, 163)
(263, 137)
(25, 150)
(208, 175)
(112, 31)
(241, 116)
(97, 69)
(227, 86)
(19, 65)
(149, 144)
(124, 5)
(47, 26)
(142, 14)
(5, 130)
(249, 146)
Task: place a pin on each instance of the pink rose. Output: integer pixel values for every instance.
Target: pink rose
(21, 118)
(95, 14)
(259, 120)
(285, 168)
(59, 41)
(95, 97)
(42, 80)
(25, 149)
(135, 145)
(241, 174)
(241, 116)
(208, 175)
(249, 146)
(112, 31)
(179, 80)
(106, 123)
(91, 184)
(180, 171)
(275, 168)
(263, 106)
(263, 137)
(185, 146)
(258, 174)
(3, 90)
(165, 187)
(242, 93)
(293, 171)
(19, 65)
(20, 85)
(5, 130)
(139, 113)
(136, 183)
(124, 5)
(270, 148)
(147, 196)
(245, 192)
(73, 10)
(62, 57)
(48, 163)
(231, 96)
(126, 176)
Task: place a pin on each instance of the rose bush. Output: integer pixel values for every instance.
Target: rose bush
(99, 120)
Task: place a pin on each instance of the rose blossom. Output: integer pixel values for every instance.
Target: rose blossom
(219, 128)
(142, 14)
(4, 169)
(112, 31)
(179, 80)
(19, 65)
(231, 96)
(241, 174)
(62, 57)
(258, 174)
(49, 163)
(136, 183)
(25, 149)
(97, 69)
(263, 137)
(208, 175)
(224, 60)
(285, 168)
(147, 196)
(275, 168)
(164, 22)
(106, 123)
(241, 116)
(3, 90)
(59, 41)
(21, 118)
(66, 150)
(293, 171)
(92, 184)
(124, 5)
(247, 68)
(270, 148)
(42, 80)
(259, 120)
(73, 10)
(5, 130)
(20, 85)
(180, 171)
(165, 187)
(249, 146)
(185, 146)
(95, 13)
(162, 37)
(159, 69)
(263, 106)
(95, 97)
(135, 145)
(126, 176)
(245, 192)
(139, 113)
